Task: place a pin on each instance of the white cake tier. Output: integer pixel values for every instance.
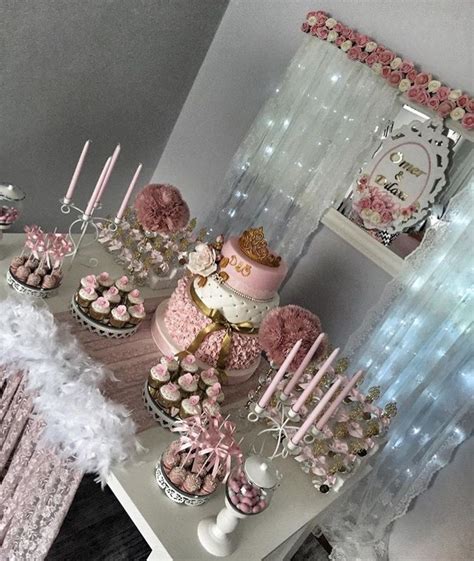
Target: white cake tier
(235, 307)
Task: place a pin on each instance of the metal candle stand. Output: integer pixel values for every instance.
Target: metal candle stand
(332, 454)
(84, 222)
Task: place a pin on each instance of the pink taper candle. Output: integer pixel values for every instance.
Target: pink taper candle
(77, 172)
(279, 375)
(314, 382)
(307, 359)
(316, 412)
(95, 192)
(340, 398)
(128, 194)
(110, 169)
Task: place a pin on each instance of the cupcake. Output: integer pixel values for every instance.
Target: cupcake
(119, 316)
(168, 396)
(187, 384)
(208, 378)
(22, 273)
(192, 483)
(104, 280)
(137, 314)
(134, 297)
(211, 407)
(190, 407)
(17, 262)
(124, 284)
(188, 364)
(171, 364)
(112, 295)
(99, 309)
(177, 476)
(158, 376)
(215, 392)
(89, 281)
(85, 296)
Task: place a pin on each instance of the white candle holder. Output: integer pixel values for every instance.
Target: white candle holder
(81, 225)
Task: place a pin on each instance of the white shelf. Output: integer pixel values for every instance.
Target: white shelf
(383, 257)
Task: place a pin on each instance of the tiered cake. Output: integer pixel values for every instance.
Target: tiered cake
(216, 313)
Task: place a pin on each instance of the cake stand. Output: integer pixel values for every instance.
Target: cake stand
(24, 288)
(164, 341)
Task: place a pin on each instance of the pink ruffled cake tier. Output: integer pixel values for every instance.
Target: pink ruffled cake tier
(184, 321)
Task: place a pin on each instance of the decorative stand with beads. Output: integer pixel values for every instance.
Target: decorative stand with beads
(333, 449)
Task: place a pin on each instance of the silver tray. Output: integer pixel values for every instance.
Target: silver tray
(160, 416)
(175, 494)
(23, 288)
(98, 327)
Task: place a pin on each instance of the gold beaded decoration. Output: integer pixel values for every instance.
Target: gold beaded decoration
(371, 428)
(356, 412)
(390, 410)
(341, 430)
(355, 446)
(320, 448)
(372, 394)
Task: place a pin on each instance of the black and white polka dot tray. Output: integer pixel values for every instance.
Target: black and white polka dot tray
(162, 418)
(98, 327)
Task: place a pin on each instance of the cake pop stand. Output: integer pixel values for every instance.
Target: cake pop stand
(165, 343)
(24, 288)
(99, 328)
(173, 493)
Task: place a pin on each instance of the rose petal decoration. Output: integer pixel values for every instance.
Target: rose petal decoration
(161, 208)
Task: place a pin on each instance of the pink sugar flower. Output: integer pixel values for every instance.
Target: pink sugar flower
(314, 29)
(412, 75)
(386, 57)
(445, 108)
(338, 28)
(351, 35)
(364, 203)
(354, 52)
(379, 50)
(364, 55)
(423, 97)
(339, 41)
(468, 121)
(378, 205)
(407, 66)
(394, 78)
(305, 27)
(422, 79)
(470, 106)
(386, 216)
(443, 92)
(386, 71)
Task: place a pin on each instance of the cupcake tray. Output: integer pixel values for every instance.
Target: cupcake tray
(160, 416)
(98, 327)
(24, 288)
(175, 494)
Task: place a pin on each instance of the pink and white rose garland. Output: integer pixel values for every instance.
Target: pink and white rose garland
(419, 87)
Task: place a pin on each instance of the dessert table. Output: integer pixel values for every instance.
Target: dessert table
(169, 529)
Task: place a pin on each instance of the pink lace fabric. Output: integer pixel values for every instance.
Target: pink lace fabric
(36, 486)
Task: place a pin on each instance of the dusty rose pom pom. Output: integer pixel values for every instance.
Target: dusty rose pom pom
(161, 208)
(282, 327)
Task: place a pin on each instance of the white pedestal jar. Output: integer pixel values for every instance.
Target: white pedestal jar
(248, 492)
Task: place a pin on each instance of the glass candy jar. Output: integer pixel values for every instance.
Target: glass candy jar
(11, 204)
(250, 487)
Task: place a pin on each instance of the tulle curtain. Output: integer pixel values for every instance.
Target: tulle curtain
(304, 148)
(417, 345)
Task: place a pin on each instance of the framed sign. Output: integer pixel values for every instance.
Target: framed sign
(399, 185)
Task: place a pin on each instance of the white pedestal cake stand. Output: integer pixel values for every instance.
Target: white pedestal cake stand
(164, 341)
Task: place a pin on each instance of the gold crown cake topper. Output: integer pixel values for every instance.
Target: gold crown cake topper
(252, 242)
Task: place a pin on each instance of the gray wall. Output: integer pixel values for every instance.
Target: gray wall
(110, 70)
(251, 50)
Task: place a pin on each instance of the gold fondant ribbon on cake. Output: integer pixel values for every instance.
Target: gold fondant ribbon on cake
(218, 323)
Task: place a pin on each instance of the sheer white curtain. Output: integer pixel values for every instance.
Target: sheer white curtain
(304, 147)
(417, 345)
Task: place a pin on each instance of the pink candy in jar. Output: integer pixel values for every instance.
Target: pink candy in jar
(11, 198)
(250, 487)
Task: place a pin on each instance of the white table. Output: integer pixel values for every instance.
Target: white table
(169, 529)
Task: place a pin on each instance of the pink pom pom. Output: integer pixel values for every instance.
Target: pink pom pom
(282, 327)
(161, 208)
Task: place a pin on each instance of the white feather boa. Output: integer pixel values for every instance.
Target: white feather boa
(80, 422)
